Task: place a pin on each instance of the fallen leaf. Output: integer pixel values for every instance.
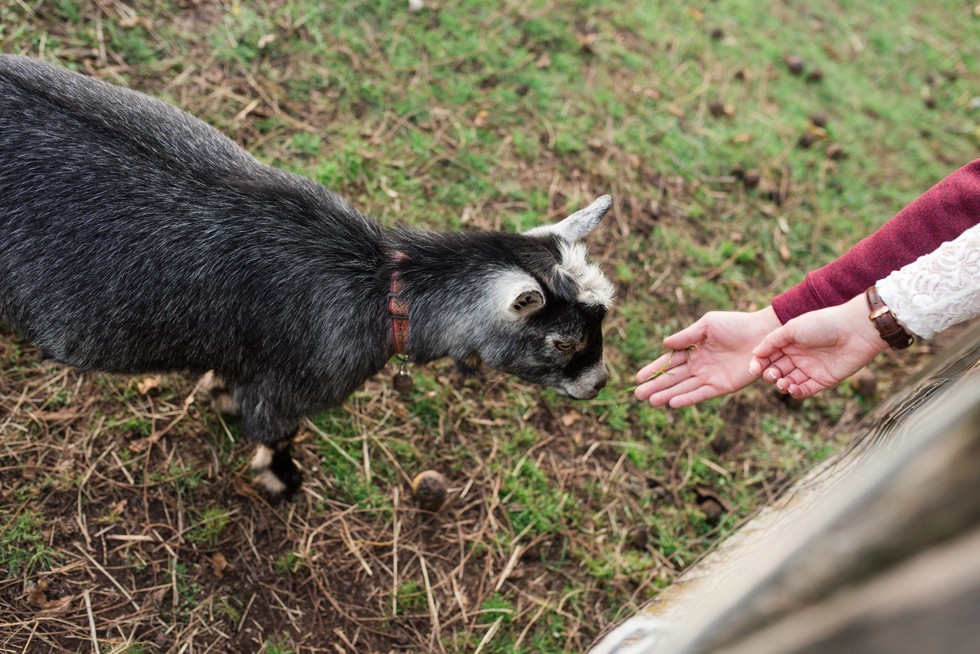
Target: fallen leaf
(587, 41)
(543, 61)
(59, 605)
(570, 418)
(218, 564)
(481, 118)
(147, 384)
(818, 132)
(742, 138)
(140, 445)
(37, 598)
(265, 40)
(706, 493)
(35, 594)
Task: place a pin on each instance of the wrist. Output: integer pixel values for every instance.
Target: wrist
(861, 326)
(767, 320)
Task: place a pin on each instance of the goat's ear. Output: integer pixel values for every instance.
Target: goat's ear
(527, 303)
(516, 294)
(579, 224)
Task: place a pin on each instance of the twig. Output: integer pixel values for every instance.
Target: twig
(91, 622)
(108, 576)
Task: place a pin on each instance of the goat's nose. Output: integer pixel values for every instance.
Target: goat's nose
(599, 385)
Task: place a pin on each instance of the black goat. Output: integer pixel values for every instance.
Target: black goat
(135, 238)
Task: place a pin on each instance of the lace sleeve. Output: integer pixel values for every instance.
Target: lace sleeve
(939, 289)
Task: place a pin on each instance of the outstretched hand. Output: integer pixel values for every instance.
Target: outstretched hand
(818, 349)
(708, 359)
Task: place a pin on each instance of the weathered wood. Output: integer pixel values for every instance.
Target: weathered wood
(907, 489)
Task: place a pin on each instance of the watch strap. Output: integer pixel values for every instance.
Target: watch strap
(886, 323)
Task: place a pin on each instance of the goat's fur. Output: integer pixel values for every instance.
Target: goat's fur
(135, 238)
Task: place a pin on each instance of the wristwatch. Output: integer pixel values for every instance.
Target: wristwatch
(886, 323)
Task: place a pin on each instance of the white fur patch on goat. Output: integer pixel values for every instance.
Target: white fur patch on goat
(585, 384)
(511, 284)
(593, 287)
(268, 481)
(262, 458)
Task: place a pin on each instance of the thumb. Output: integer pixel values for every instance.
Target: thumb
(688, 336)
(775, 341)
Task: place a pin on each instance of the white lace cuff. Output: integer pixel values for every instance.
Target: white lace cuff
(939, 289)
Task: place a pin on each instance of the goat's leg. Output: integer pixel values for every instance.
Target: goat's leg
(222, 397)
(275, 471)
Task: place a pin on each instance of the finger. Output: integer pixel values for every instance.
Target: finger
(796, 376)
(662, 382)
(757, 366)
(776, 340)
(688, 336)
(699, 394)
(686, 386)
(809, 388)
(791, 378)
(778, 368)
(666, 361)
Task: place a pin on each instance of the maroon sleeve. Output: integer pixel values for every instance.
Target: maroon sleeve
(945, 211)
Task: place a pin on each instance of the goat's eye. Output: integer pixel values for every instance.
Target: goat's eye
(564, 346)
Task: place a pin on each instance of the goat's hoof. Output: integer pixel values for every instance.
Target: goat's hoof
(276, 473)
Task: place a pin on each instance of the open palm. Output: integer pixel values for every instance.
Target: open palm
(708, 359)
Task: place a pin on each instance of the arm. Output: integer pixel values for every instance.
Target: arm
(941, 214)
(821, 348)
(940, 289)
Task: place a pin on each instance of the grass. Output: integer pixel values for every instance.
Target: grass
(563, 517)
(23, 546)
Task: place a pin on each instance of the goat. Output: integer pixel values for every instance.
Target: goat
(136, 238)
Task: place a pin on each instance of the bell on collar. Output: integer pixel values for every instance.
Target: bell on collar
(402, 380)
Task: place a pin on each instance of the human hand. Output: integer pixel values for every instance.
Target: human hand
(708, 359)
(818, 349)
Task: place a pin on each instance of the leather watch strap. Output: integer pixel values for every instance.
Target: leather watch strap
(886, 323)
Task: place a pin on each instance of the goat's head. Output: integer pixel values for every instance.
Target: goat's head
(549, 309)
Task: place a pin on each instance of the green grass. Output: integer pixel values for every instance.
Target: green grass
(209, 526)
(277, 646)
(410, 598)
(186, 590)
(24, 549)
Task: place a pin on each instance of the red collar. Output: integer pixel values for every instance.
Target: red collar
(398, 310)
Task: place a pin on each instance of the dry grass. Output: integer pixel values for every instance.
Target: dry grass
(122, 528)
